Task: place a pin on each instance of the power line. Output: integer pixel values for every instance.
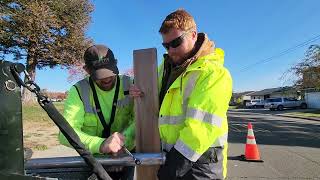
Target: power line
(289, 50)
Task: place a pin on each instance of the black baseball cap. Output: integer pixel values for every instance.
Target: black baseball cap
(100, 60)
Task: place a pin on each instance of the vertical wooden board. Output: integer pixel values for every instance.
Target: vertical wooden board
(146, 108)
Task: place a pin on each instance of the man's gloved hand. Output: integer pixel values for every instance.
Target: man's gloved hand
(176, 165)
(112, 144)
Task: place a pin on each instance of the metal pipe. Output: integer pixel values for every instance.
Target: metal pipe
(77, 161)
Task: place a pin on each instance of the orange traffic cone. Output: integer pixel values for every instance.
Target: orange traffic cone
(251, 150)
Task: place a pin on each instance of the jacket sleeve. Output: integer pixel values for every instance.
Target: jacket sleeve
(206, 110)
(74, 114)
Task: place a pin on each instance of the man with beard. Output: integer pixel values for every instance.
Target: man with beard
(100, 110)
(195, 90)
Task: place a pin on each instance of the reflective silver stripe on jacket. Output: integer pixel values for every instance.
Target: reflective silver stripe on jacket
(186, 151)
(85, 96)
(126, 83)
(171, 120)
(221, 141)
(194, 114)
(204, 116)
(192, 155)
(167, 147)
(124, 102)
(125, 86)
(188, 89)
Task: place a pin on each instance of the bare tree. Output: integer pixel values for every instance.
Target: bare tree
(306, 74)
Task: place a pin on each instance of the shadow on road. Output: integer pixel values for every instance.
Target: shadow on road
(274, 130)
(237, 158)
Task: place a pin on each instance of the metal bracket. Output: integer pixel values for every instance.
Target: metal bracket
(10, 85)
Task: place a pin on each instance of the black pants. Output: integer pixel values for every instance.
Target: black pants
(209, 166)
(205, 171)
(202, 170)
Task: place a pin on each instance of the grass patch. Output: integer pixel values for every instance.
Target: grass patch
(37, 134)
(308, 113)
(40, 147)
(27, 136)
(54, 134)
(233, 107)
(34, 112)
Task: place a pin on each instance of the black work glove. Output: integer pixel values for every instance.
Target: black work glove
(176, 165)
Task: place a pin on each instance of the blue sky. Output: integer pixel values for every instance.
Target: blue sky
(249, 32)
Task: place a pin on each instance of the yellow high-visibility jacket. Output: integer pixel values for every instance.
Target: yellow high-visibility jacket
(81, 114)
(192, 116)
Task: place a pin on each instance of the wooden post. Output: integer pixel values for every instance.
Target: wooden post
(146, 108)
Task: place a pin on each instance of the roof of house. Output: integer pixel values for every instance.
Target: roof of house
(270, 91)
(241, 94)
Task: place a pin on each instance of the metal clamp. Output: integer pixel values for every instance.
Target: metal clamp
(10, 85)
(29, 84)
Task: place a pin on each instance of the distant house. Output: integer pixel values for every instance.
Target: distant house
(244, 97)
(275, 92)
(312, 97)
(311, 86)
(54, 96)
(241, 97)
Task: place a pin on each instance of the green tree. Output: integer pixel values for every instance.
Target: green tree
(44, 33)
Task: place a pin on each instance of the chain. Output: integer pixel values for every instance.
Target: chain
(30, 85)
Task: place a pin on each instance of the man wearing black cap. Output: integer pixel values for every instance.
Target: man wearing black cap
(99, 107)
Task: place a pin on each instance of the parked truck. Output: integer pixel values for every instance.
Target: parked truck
(255, 103)
(283, 102)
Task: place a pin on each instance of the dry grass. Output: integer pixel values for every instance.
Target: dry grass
(39, 131)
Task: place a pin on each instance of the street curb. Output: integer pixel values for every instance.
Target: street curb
(298, 117)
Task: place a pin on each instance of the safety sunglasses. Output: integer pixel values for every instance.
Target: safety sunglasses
(176, 42)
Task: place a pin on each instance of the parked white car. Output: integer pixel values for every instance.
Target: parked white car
(255, 103)
(282, 102)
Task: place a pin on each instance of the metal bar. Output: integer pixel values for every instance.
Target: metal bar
(77, 161)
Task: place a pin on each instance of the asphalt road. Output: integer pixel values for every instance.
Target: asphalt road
(289, 147)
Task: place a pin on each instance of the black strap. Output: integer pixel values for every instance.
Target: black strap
(125, 93)
(75, 141)
(106, 131)
(68, 132)
(114, 105)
